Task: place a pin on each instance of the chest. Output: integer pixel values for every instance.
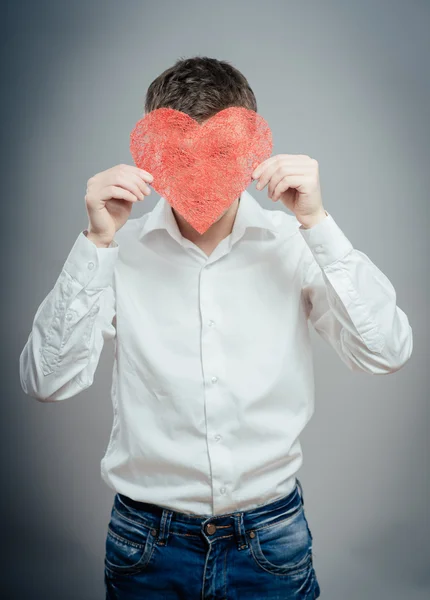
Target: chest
(180, 299)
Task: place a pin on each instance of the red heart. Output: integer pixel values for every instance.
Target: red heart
(200, 169)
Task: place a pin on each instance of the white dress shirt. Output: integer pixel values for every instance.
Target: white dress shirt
(213, 376)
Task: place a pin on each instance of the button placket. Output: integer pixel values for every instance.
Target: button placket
(215, 401)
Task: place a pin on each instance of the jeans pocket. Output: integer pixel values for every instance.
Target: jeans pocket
(129, 545)
(285, 547)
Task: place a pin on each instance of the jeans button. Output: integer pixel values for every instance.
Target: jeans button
(210, 528)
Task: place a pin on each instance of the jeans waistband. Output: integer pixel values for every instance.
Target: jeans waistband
(164, 521)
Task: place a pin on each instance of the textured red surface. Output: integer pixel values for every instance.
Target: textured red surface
(200, 169)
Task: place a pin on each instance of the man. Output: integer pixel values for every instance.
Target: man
(212, 380)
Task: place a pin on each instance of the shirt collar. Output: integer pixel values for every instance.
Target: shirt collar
(249, 214)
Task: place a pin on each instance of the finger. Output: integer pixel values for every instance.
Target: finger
(261, 167)
(129, 182)
(119, 174)
(145, 175)
(292, 159)
(265, 176)
(131, 168)
(289, 181)
(142, 185)
(284, 170)
(276, 172)
(118, 193)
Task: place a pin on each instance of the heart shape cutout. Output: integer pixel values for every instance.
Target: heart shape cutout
(200, 169)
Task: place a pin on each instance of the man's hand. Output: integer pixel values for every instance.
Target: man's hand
(293, 179)
(109, 198)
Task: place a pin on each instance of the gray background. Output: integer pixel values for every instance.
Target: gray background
(345, 82)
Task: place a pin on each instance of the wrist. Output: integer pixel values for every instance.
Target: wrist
(100, 242)
(314, 220)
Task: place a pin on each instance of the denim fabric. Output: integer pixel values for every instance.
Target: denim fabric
(156, 553)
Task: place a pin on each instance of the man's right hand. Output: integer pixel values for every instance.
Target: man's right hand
(109, 198)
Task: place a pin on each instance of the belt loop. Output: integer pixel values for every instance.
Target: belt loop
(166, 517)
(239, 528)
(300, 489)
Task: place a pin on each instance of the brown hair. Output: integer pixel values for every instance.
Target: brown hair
(200, 87)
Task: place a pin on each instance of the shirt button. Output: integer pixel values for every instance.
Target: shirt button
(222, 490)
(91, 265)
(214, 379)
(211, 323)
(69, 316)
(217, 437)
(318, 249)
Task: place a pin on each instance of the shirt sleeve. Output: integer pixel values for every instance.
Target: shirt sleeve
(71, 325)
(352, 304)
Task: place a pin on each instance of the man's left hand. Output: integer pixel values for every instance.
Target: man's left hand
(293, 179)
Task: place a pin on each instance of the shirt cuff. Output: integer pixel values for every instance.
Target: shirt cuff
(93, 267)
(326, 241)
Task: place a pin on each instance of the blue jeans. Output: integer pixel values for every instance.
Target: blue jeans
(157, 553)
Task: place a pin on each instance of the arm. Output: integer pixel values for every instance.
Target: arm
(71, 325)
(352, 304)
